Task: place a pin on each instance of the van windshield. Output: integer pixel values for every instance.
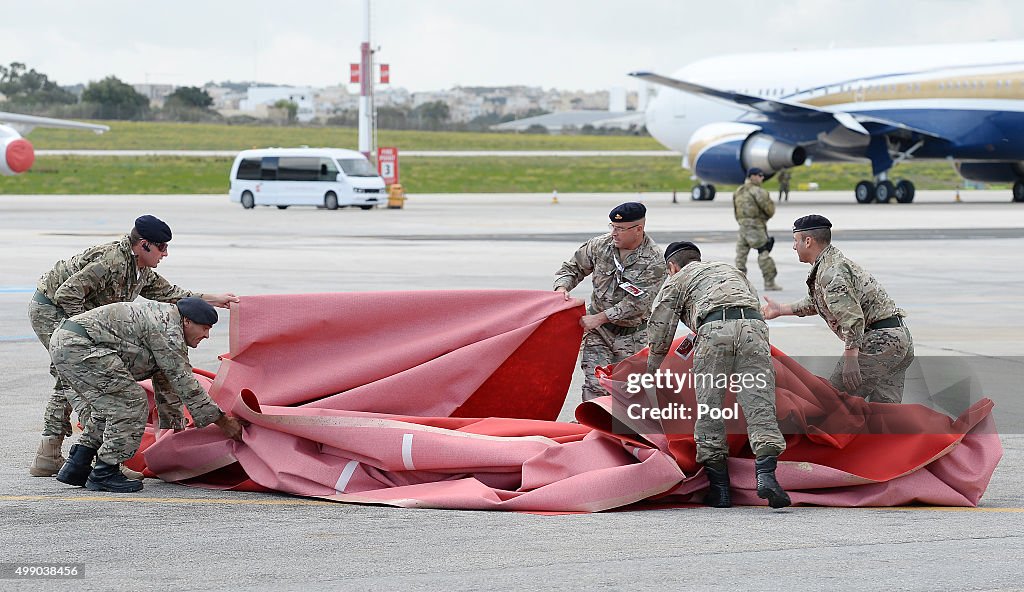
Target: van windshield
(357, 167)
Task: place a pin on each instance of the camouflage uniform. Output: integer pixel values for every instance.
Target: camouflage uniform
(100, 275)
(626, 333)
(722, 347)
(128, 342)
(849, 299)
(784, 177)
(753, 208)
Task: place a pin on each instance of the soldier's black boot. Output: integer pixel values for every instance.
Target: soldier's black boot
(76, 468)
(106, 477)
(767, 486)
(718, 492)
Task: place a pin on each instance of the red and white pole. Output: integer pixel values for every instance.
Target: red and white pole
(366, 88)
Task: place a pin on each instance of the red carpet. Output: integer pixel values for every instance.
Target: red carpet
(447, 400)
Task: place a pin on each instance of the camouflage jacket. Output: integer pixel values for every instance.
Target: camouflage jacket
(751, 202)
(150, 340)
(644, 268)
(102, 275)
(846, 296)
(698, 289)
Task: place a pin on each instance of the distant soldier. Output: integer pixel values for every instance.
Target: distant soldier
(784, 177)
(102, 354)
(753, 208)
(720, 305)
(112, 272)
(627, 270)
(879, 348)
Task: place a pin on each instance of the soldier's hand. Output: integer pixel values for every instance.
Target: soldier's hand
(231, 426)
(221, 300)
(851, 372)
(564, 292)
(770, 309)
(591, 322)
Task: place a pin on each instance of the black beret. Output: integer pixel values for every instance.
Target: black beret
(675, 247)
(754, 171)
(197, 310)
(153, 229)
(812, 222)
(630, 211)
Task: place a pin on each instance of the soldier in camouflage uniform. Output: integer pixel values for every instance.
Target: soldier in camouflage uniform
(102, 354)
(113, 272)
(731, 339)
(627, 270)
(784, 178)
(753, 208)
(878, 346)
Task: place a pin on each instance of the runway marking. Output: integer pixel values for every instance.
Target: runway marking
(311, 502)
(165, 500)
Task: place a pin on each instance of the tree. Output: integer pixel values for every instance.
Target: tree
(115, 99)
(431, 115)
(189, 96)
(31, 88)
(289, 107)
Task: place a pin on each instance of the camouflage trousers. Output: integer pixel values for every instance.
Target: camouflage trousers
(600, 348)
(119, 405)
(57, 417)
(739, 349)
(754, 235)
(885, 355)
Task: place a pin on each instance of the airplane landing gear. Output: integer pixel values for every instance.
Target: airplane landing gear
(702, 193)
(864, 192)
(905, 191)
(885, 191)
(1018, 191)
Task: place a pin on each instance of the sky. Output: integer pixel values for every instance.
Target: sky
(437, 44)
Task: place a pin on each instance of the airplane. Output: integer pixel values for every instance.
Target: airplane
(963, 103)
(16, 153)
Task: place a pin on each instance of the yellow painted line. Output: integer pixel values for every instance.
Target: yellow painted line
(165, 500)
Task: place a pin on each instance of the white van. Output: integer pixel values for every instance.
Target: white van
(326, 177)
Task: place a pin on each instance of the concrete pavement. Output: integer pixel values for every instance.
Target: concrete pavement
(955, 267)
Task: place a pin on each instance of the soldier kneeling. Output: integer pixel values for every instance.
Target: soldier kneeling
(103, 353)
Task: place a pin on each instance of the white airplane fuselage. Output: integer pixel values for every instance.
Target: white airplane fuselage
(963, 102)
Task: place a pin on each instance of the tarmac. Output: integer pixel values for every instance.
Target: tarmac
(953, 266)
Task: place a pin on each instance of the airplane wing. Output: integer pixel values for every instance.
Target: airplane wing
(785, 109)
(26, 123)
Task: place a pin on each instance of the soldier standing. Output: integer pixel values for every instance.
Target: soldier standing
(784, 177)
(627, 270)
(878, 346)
(112, 272)
(102, 354)
(753, 208)
(731, 339)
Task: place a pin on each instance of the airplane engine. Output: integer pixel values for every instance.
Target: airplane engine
(16, 153)
(722, 152)
(991, 172)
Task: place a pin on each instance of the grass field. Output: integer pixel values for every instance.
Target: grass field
(147, 135)
(163, 175)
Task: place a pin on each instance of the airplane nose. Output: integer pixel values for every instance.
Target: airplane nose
(20, 155)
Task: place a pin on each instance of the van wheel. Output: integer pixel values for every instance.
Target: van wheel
(282, 207)
(365, 207)
(247, 201)
(331, 201)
